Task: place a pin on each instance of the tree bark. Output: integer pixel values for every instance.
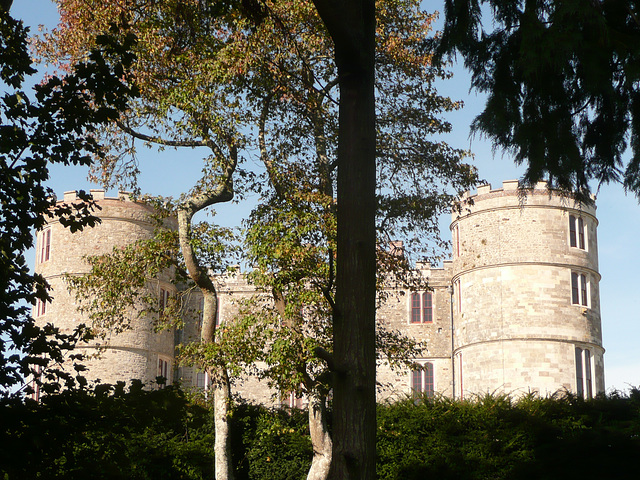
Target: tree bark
(222, 445)
(352, 27)
(221, 386)
(320, 437)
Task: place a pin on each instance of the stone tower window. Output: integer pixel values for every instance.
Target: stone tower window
(164, 371)
(163, 301)
(584, 385)
(421, 307)
(41, 308)
(579, 289)
(45, 245)
(292, 400)
(577, 232)
(422, 380)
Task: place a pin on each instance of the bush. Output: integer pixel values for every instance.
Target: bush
(275, 443)
(110, 433)
(106, 433)
(496, 438)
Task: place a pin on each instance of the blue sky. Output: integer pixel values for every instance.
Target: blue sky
(618, 230)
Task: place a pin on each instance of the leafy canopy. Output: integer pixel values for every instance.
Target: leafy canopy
(57, 123)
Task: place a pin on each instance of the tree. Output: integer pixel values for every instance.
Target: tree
(233, 78)
(352, 28)
(57, 126)
(562, 83)
(292, 235)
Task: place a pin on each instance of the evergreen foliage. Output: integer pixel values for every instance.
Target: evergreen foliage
(562, 84)
(107, 433)
(111, 432)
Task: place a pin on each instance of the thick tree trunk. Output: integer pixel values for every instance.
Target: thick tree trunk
(352, 27)
(320, 438)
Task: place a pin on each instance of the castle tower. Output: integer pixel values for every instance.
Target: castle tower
(526, 296)
(139, 352)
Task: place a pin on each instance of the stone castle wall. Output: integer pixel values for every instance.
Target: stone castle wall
(503, 319)
(135, 352)
(516, 326)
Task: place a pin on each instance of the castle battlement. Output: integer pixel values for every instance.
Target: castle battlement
(98, 194)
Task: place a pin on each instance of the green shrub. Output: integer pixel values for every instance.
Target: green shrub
(275, 443)
(110, 433)
(496, 438)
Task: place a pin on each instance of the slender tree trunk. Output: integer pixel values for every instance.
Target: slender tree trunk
(199, 274)
(222, 446)
(351, 25)
(320, 438)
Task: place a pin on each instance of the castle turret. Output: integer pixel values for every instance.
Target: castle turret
(139, 352)
(526, 296)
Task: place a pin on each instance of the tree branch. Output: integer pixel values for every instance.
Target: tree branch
(161, 141)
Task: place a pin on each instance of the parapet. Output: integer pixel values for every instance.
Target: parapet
(97, 194)
(510, 196)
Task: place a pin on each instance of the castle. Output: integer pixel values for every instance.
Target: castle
(516, 309)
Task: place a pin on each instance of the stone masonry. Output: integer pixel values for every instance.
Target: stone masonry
(515, 310)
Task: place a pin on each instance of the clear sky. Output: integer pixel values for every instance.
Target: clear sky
(170, 173)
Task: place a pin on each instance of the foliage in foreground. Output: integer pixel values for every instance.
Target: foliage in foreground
(55, 122)
(110, 433)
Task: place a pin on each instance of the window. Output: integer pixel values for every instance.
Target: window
(35, 383)
(456, 234)
(164, 300)
(295, 401)
(587, 374)
(202, 380)
(584, 384)
(45, 245)
(458, 289)
(422, 307)
(422, 380)
(579, 370)
(41, 308)
(579, 289)
(577, 232)
(163, 372)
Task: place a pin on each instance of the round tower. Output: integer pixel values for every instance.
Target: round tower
(526, 296)
(137, 353)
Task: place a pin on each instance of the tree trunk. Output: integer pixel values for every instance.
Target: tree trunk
(222, 447)
(320, 438)
(352, 28)
(199, 274)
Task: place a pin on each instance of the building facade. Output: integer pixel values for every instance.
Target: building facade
(515, 310)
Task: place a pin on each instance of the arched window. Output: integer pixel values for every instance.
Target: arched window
(422, 380)
(421, 307)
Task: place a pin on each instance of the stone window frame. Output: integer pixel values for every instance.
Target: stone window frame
(422, 381)
(584, 372)
(580, 289)
(417, 301)
(164, 370)
(41, 308)
(578, 233)
(45, 245)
